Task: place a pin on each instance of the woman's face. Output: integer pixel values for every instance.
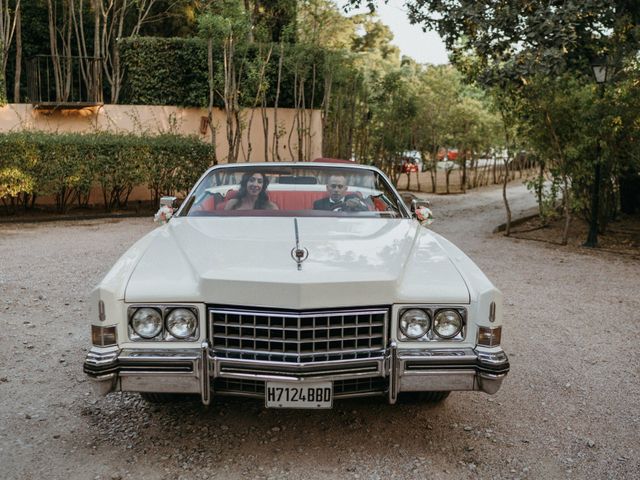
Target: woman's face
(255, 184)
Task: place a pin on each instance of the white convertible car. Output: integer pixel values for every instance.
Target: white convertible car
(298, 284)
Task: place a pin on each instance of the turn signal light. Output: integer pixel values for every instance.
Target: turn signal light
(489, 336)
(103, 336)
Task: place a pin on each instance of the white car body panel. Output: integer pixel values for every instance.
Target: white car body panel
(244, 260)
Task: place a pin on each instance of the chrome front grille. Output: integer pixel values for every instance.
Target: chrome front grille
(298, 337)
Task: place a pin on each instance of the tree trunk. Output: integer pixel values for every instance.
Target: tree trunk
(276, 133)
(507, 231)
(18, 73)
(566, 190)
(68, 63)
(447, 173)
(212, 127)
(629, 181)
(463, 181)
(539, 187)
(53, 45)
(326, 102)
(259, 101)
(117, 73)
(8, 27)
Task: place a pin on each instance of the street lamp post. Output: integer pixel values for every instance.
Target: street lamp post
(602, 72)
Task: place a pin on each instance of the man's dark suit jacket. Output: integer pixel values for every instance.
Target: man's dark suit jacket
(325, 204)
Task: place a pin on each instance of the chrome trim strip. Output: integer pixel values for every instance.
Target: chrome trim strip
(371, 369)
(205, 388)
(165, 355)
(393, 373)
(236, 368)
(491, 357)
(294, 366)
(315, 313)
(99, 356)
(333, 351)
(296, 379)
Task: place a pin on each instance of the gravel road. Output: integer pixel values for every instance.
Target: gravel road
(568, 409)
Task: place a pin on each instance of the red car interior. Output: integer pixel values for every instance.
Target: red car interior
(285, 200)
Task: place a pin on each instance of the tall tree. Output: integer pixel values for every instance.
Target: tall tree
(9, 23)
(226, 25)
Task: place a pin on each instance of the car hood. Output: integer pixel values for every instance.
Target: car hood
(248, 261)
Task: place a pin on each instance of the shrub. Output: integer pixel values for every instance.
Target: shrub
(18, 170)
(67, 166)
(175, 163)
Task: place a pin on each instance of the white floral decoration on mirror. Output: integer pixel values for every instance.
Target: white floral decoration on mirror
(424, 215)
(163, 215)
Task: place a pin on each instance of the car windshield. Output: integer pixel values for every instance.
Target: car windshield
(259, 190)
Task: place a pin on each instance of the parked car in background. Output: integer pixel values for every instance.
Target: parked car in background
(297, 284)
(412, 162)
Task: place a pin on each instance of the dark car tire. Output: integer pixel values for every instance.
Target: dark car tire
(154, 397)
(426, 397)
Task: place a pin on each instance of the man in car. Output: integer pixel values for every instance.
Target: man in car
(339, 200)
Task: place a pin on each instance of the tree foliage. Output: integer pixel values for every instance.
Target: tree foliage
(535, 58)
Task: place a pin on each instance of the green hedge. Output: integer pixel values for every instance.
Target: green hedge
(67, 166)
(173, 71)
(165, 71)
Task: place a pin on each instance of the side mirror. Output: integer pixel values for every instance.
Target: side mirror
(417, 203)
(167, 202)
(165, 212)
(421, 211)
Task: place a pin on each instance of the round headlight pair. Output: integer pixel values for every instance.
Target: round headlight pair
(147, 323)
(415, 323)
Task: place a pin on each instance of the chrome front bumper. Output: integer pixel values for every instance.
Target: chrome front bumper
(198, 371)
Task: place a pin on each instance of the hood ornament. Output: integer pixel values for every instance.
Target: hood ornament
(299, 254)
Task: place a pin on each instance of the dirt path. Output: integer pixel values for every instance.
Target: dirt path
(569, 408)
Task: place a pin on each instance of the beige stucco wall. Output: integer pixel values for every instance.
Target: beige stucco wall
(151, 119)
(157, 119)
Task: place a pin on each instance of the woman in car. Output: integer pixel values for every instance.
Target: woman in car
(252, 194)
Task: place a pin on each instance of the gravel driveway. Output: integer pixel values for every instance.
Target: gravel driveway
(568, 409)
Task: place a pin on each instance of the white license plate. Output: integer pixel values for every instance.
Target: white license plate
(298, 395)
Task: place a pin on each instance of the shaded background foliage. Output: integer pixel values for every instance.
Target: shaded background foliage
(173, 71)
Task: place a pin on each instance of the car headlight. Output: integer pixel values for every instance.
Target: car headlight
(447, 323)
(182, 323)
(415, 323)
(147, 322)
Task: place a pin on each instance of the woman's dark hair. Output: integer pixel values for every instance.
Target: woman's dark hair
(263, 198)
